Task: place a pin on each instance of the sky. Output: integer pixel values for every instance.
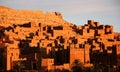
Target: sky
(75, 11)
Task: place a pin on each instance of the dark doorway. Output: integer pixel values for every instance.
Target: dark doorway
(34, 66)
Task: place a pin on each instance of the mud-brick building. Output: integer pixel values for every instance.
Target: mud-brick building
(46, 42)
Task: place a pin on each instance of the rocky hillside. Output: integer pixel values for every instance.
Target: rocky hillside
(10, 16)
(13, 19)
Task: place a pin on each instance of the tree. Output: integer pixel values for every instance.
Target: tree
(77, 66)
(18, 67)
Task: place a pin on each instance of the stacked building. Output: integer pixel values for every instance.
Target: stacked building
(44, 41)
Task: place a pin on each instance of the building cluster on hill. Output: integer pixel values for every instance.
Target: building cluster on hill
(42, 46)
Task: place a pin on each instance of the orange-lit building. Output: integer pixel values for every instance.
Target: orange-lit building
(47, 42)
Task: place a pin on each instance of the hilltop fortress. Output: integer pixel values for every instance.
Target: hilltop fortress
(45, 41)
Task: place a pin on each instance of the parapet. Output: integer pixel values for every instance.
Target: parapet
(93, 24)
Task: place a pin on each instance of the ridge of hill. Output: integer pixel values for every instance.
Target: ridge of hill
(4, 7)
(10, 16)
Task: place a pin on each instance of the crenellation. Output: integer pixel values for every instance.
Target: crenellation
(97, 24)
(108, 29)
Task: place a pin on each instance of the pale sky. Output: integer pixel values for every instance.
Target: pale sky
(75, 11)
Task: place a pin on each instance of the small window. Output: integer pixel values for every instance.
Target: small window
(88, 30)
(39, 24)
(42, 44)
(44, 28)
(11, 54)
